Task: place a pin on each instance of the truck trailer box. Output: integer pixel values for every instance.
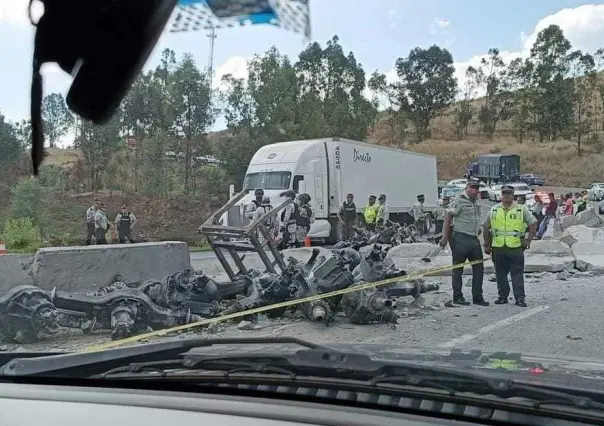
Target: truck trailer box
(328, 169)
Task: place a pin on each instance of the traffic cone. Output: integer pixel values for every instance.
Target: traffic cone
(307, 241)
(3, 249)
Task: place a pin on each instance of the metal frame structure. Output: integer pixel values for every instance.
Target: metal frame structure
(220, 240)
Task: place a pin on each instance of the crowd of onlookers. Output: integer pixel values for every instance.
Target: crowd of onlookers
(545, 209)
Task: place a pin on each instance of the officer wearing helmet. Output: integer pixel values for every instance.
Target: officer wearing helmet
(256, 202)
(288, 221)
(305, 218)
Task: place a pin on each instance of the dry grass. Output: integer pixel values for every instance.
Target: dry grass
(557, 161)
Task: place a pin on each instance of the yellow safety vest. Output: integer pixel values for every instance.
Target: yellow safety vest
(507, 227)
(370, 213)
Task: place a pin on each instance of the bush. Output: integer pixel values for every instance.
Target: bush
(28, 201)
(22, 235)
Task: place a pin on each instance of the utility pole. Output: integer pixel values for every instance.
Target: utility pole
(212, 36)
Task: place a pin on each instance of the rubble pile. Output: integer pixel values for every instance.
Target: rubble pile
(394, 234)
(125, 309)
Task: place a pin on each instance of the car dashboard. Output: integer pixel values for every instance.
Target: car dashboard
(32, 405)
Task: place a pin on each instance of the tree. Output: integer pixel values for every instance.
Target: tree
(498, 98)
(191, 107)
(388, 91)
(427, 85)
(331, 85)
(10, 146)
(584, 77)
(550, 56)
(98, 144)
(23, 132)
(520, 74)
(463, 108)
(56, 117)
(155, 172)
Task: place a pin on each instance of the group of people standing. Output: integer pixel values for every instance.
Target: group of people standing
(373, 217)
(97, 224)
(507, 231)
(294, 222)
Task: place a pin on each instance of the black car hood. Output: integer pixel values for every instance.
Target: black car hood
(566, 371)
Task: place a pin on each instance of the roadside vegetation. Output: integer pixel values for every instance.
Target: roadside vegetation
(157, 156)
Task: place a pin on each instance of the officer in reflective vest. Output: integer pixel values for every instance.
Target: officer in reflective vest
(124, 222)
(370, 214)
(505, 237)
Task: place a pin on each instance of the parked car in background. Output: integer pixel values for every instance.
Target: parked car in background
(595, 191)
(520, 188)
(532, 180)
(495, 192)
(451, 192)
(461, 183)
(484, 191)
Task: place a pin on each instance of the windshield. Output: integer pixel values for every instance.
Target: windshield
(140, 224)
(267, 180)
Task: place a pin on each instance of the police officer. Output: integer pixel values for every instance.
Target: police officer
(440, 212)
(101, 224)
(124, 222)
(305, 218)
(419, 216)
(369, 214)
(505, 237)
(289, 217)
(348, 218)
(260, 211)
(90, 214)
(382, 213)
(460, 231)
(256, 202)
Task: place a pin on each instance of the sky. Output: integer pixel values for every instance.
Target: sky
(377, 34)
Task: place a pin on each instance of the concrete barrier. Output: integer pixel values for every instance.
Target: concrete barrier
(13, 271)
(90, 267)
(548, 256)
(589, 256)
(583, 234)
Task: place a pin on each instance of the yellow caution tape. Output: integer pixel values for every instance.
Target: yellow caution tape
(357, 287)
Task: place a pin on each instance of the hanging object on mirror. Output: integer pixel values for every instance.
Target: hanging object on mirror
(199, 15)
(103, 44)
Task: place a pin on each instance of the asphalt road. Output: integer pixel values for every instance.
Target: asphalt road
(564, 317)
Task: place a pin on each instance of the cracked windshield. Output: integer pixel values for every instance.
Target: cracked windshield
(440, 172)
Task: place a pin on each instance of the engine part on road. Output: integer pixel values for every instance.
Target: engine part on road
(27, 312)
(369, 306)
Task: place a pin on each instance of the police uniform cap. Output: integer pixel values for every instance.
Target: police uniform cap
(507, 188)
(420, 196)
(372, 196)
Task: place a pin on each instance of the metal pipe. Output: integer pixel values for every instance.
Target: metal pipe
(319, 313)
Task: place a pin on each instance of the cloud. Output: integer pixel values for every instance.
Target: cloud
(583, 26)
(235, 65)
(439, 26)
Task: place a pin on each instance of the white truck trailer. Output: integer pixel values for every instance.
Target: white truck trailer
(328, 169)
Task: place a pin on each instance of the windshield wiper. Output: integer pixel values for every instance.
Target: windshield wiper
(81, 364)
